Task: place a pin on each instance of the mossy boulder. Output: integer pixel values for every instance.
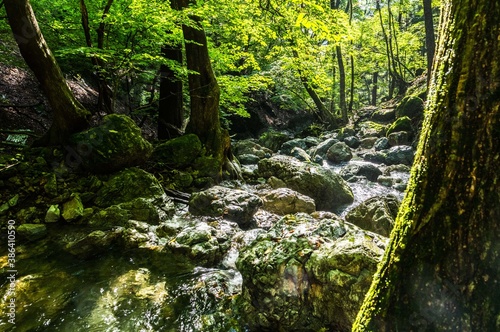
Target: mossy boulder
(411, 106)
(127, 185)
(376, 214)
(115, 144)
(307, 274)
(371, 129)
(73, 209)
(339, 152)
(401, 124)
(273, 140)
(179, 152)
(233, 204)
(32, 232)
(327, 188)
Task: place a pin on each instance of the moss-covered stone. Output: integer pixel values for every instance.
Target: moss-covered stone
(273, 140)
(115, 144)
(73, 209)
(313, 272)
(127, 185)
(179, 152)
(411, 106)
(401, 124)
(53, 214)
(32, 232)
(327, 188)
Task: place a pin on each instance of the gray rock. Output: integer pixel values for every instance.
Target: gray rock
(314, 272)
(401, 154)
(352, 142)
(328, 189)
(115, 144)
(339, 152)
(321, 149)
(300, 154)
(381, 143)
(368, 142)
(250, 147)
(236, 205)
(370, 171)
(287, 201)
(376, 214)
(248, 159)
(399, 138)
(303, 143)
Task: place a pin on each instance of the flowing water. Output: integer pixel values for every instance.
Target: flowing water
(128, 290)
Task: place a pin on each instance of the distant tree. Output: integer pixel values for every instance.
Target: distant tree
(440, 270)
(69, 115)
(430, 42)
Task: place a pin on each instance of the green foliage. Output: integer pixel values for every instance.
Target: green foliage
(255, 46)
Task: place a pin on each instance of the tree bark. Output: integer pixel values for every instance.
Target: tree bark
(170, 108)
(204, 94)
(440, 271)
(105, 99)
(429, 36)
(374, 89)
(69, 115)
(323, 114)
(342, 85)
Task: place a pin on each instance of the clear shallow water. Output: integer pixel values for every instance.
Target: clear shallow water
(364, 189)
(117, 292)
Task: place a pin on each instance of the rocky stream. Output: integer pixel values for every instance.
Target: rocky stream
(292, 246)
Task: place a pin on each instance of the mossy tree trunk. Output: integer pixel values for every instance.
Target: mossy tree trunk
(204, 94)
(440, 271)
(69, 115)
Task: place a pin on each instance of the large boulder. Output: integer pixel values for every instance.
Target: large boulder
(250, 147)
(307, 274)
(401, 124)
(233, 204)
(287, 201)
(376, 214)
(115, 144)
(179, 152)
(129, 184)
(329, 190)
(353, 170)
(339, 152)
(411, 106)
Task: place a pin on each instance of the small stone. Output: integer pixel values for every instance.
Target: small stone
(73, 209)
(53, 214)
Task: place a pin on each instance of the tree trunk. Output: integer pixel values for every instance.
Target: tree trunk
(429, 36)
(105, 100)
(342, 85)
(170, 108)
(440, 271)
(374, 89)
(204, 94)
(69, 115)
(323, 114)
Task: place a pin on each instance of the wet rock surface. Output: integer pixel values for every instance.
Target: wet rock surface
(307, 273)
